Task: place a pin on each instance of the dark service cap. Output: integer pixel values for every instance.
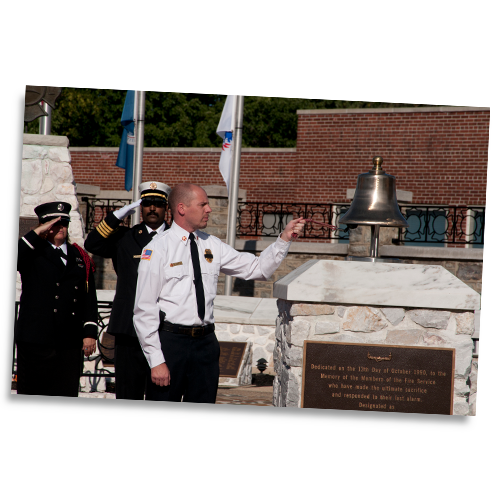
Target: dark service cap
(53, 210)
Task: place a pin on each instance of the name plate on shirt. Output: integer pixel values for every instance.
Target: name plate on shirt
(231, 357)
(377, 377)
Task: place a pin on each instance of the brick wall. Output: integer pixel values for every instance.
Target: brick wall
(440, 154)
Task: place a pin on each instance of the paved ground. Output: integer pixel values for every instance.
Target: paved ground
(244, 395)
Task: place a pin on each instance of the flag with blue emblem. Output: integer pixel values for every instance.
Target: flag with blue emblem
(126, 152)
(225, 130)
(146, 254)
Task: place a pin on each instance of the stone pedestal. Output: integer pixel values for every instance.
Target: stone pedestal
(373, 303)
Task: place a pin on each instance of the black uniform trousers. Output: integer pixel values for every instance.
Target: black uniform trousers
(131, 368)
(48, 371)
(194, 369)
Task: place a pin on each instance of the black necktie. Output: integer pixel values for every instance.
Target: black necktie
(198, 282)
(60, 253)
(152, 234)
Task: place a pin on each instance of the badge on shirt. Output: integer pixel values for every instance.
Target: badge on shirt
(146, 254)
(184, 238)
(208, 255)
(176, 264)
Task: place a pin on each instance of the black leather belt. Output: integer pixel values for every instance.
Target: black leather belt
(193, 331)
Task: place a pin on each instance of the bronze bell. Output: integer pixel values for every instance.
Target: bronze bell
(375, 205)
(375, 201)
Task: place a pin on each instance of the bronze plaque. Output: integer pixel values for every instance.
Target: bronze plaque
(376, 377)
(231, 357)
(26, 224)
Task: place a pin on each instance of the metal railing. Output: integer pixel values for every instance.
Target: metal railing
(99, 208)
(429, 224)
(439, 224)
(269, 219)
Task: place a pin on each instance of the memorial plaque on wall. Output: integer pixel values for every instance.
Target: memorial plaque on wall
(377, 377)
(231, 357)
(26, 224)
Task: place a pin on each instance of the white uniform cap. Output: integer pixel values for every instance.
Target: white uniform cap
(152, 188)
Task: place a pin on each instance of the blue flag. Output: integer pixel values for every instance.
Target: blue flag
(126, 153)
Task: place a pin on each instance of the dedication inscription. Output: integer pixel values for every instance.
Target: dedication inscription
(376, 377)
(231, 356)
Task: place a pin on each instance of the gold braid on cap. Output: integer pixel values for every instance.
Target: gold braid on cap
(153, 194)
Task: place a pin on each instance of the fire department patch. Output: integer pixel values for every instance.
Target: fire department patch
(208, 255)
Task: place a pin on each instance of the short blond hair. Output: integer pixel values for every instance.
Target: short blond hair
(182, 193)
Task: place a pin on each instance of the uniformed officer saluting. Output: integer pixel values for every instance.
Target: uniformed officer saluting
(177, 276)
(124, 246)
(58, 308)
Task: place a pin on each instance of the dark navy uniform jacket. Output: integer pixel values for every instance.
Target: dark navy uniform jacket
(124, 246)
(55, 304)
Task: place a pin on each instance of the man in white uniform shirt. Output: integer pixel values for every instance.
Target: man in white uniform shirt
(177, 280)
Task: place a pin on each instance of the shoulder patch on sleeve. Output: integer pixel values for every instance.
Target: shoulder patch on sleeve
(146, 254)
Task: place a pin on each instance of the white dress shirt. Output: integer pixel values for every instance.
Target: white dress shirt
(165, 281)
(159, 231)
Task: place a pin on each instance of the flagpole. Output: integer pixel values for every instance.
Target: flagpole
(235, 184)
(139, 112)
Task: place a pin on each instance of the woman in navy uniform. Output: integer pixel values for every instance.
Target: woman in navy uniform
(57, 322)
(124, 246)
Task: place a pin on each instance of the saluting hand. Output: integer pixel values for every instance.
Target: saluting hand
(127, 210)
(160, 375)
(292, 229)
(41, 230)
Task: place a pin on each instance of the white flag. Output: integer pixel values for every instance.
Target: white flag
(225, 129)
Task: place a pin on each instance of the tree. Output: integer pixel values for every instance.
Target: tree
(91, 117)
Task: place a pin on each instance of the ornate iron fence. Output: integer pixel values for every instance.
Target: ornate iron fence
(429, 224)
(99, 208)
(439, 224)
(269, 219)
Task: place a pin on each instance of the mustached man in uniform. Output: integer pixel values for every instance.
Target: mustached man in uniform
(124, 246)
(57, 322)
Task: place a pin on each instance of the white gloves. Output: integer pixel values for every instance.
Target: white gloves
(127, 210)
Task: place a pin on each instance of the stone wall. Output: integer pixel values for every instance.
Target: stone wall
(262, 338)
(47, 176)
(361, 324)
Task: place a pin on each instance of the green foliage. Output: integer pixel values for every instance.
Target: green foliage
(91, 117)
